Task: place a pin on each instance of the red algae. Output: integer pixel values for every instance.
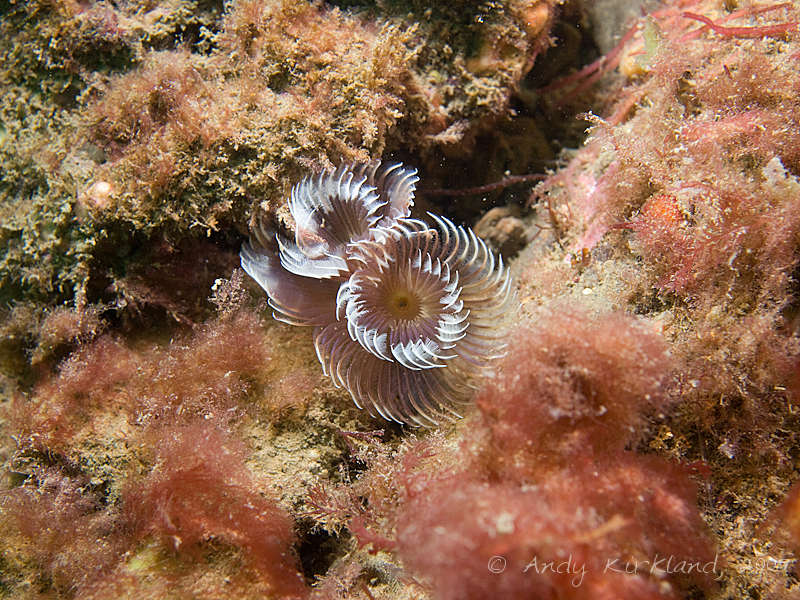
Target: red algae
(744, 32)
(85, 381)
(590, 531)
(542, 499)
(197, 496)
(551, 505)
(197, 499)
(683, 207)
(204, 374)
(199, 489)
(787, 517)
(574, 382)
(62, 523)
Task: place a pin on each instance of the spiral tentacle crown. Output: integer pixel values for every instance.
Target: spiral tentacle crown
(407, 317)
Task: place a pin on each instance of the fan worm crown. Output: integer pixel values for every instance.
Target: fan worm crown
(407, 317)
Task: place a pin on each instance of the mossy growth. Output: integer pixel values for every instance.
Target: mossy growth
(54, 58)
(170, 120)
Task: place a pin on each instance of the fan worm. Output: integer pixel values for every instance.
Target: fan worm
(407, 317)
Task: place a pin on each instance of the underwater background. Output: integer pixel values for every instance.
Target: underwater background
(635, 163)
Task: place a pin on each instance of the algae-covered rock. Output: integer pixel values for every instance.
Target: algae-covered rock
(133, 122)
(160, 443)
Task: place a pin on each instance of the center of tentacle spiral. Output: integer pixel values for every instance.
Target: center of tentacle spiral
(403, 307)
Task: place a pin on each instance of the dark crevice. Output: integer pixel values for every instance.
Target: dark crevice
(318, 549)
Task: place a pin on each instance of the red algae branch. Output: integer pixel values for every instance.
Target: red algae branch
(745, 32)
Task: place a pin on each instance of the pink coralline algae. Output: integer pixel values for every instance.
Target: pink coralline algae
(407, 317)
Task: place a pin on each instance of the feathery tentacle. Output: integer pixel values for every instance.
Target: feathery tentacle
(407, 317)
